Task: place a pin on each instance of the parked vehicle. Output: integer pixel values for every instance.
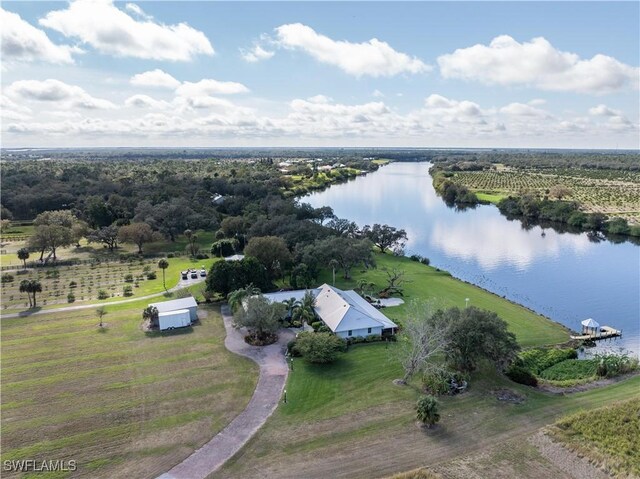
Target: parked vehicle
(203, 273)
(174, 319)
(184, 274)
(194, 274)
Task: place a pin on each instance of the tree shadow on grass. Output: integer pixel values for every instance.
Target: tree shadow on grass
(29, 312)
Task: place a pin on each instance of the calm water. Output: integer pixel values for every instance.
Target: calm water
(563, 276)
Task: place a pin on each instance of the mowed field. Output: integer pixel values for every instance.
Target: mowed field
(605, 191)
(120, 402)
(348, 420)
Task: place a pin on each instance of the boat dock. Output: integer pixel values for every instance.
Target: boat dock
(605, 332)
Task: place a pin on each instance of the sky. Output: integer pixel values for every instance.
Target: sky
(416, 74)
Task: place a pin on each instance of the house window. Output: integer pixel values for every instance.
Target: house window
(350, 332)
(369, 331)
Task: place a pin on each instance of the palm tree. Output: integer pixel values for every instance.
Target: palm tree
(163, 264)
(427, 410)
(304, 311)
(25, 287)
(334, 263)
(34, 287)
(291, 304)
(23, 254)
(235, 298)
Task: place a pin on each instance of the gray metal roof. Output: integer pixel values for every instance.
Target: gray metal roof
(175, 304)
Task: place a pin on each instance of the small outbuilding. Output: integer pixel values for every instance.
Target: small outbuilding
(590, 326)
(188, 303)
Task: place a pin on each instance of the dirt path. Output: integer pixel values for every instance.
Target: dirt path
(273, 376)
(181, 284)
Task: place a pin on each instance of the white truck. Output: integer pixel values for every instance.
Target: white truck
(179, 318)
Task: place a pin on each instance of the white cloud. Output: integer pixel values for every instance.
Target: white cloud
(210, 87)
(155, 78)
(56, 91)
(522, 109)
(440, 105)
(374, 58)
(537, 63)
(256, 54)
(10, 110)
(21, 41)
(377, 94)
(145, 101)
(110, 30)
(604, 110)
(132, 7)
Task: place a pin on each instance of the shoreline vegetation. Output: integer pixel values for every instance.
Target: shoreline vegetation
(562, 199)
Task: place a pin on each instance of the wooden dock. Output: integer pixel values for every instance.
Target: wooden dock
(606, 332)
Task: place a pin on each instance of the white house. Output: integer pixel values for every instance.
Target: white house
(346, 313)
(188, 303)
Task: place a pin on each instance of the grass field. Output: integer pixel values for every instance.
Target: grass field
(425, 282)
(609, 435)
(120, 402)
(606, 191)
(348, 419)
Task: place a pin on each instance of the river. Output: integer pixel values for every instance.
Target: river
(564, 276)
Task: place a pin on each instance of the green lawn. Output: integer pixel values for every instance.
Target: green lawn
(490, 197)
(348, 419)
(426, 282)
(120, 402)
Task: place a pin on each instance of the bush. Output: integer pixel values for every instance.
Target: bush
(571, 369)
(610, 365)
(128, 278)
(316, 325)
(171, 255)
(521, 375)
(439, 382)
(320, 348)
(202, 256)
(73, 284)
(539, 359)
(127, 291)
(427, 410)
(102, 294)
(71, 298)
(292, 350)
(151, 275)
(7, 278)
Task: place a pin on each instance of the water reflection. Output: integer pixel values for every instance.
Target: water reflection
(564, 275)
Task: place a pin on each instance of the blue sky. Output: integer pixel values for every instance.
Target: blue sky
(329, 73)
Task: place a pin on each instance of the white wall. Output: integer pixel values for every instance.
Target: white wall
(360, 332)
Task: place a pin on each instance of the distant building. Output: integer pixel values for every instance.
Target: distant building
(235, 257)
(217, 199)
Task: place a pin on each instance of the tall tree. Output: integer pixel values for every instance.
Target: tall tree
(108, 235)
(304, 311)
(259, 316)
(346, 252)
(136, 233)
(235, 298)
(385, 236)
(422, 341)
(192, 239)
(271, 251)
(475, 334)
(163, 264)
(54, 229)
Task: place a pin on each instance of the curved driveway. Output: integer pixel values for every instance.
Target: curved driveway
(273, 376)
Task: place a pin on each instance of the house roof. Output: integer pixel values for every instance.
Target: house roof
(175, 304)
(347, 310)
(235, 257)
